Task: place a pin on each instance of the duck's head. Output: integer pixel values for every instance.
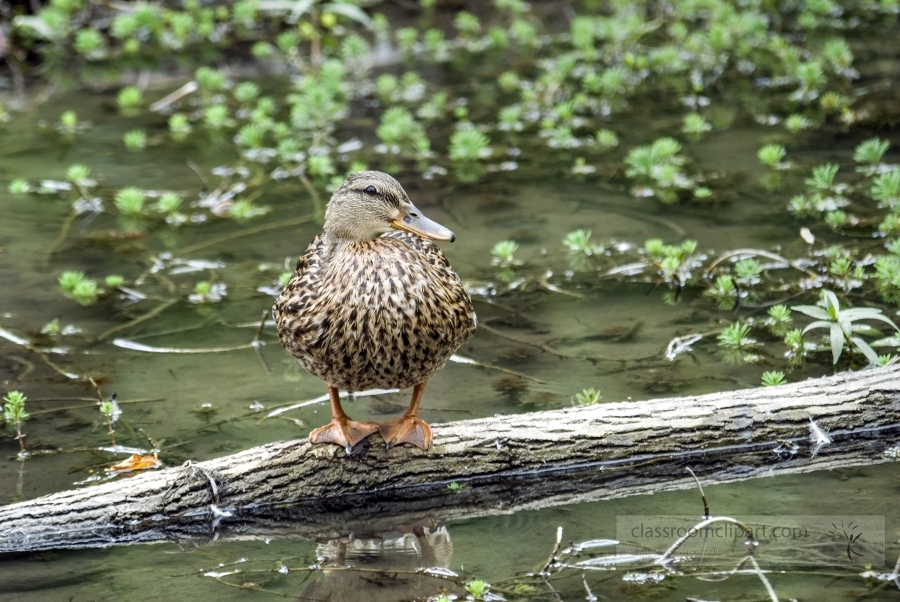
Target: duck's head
(370, 203)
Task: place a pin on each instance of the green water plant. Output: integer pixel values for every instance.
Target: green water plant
(469, 145)
(579, 242)
(772, 378)
(130, 200)
(19, 186)
(504, 253)
(606, 139)
(869, 154)
(402, 134)
(771, 155)
(78, 174)
(587, 397)
(658, 170)
(724, 291)
(68, 124)
(797, 123)
(477, 589)
(886, 189)
(797, 347)
(180, 126)
(111, 412)
(78, 287)
(694, 126)
(779, 319)
(114, 280)
(129, 100)
(674, 264)
(135, 139)
(843, 325)
(14, 415)
(736, 337)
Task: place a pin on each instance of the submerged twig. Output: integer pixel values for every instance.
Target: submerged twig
(153, 312)
(13, 338)
(540, 346)
(63, 235)
(241, 233)
(458, 359)
(93, 405)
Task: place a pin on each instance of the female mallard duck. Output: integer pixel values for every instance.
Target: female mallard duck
(374, 304)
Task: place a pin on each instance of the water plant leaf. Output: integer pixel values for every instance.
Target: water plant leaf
(351, 11)
(837, 341)
(36, 24)
(300, 8)
(813, 311)
(867, 313)
(865, 349)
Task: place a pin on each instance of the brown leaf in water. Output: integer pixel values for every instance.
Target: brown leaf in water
(136, 462)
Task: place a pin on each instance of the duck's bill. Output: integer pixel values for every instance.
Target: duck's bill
(413, 221)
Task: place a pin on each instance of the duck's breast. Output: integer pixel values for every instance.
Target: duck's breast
(375, 314)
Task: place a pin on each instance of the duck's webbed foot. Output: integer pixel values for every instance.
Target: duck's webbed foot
(341, 429)
(344, 432)
(409, 429)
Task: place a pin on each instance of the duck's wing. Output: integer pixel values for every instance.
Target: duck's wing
(301, 289)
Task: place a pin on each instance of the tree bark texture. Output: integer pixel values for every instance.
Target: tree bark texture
(501, 464)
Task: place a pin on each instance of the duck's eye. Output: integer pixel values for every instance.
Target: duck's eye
(371, 190)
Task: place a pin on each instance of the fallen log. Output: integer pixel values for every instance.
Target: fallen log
(478, 467)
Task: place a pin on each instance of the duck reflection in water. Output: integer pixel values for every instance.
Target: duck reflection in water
(383, 567)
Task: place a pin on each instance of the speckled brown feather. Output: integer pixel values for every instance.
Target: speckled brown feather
(381, 313)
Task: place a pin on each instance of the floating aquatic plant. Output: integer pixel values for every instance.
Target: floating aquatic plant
(772, 378)
(14, 415)
(842, 324)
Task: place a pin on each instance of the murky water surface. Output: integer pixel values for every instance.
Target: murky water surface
(605, 334)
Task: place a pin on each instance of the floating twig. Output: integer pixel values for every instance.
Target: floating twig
(702, 495)
(126, 344)
(762, 577)
(750, 252)
(258, 342)
(322, 398)
(554, 555)
(173, 97)
(693, 530)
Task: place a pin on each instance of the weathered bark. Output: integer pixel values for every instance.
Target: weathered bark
(503, 464)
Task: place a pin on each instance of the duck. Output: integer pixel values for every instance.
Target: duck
(374, 304)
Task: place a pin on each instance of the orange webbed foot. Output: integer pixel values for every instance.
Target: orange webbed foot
(409, 429)
(346, 433)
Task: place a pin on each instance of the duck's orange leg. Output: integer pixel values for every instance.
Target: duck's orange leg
(409, 428)
(341, 429)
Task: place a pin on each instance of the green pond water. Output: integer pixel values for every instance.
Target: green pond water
(608, 334)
